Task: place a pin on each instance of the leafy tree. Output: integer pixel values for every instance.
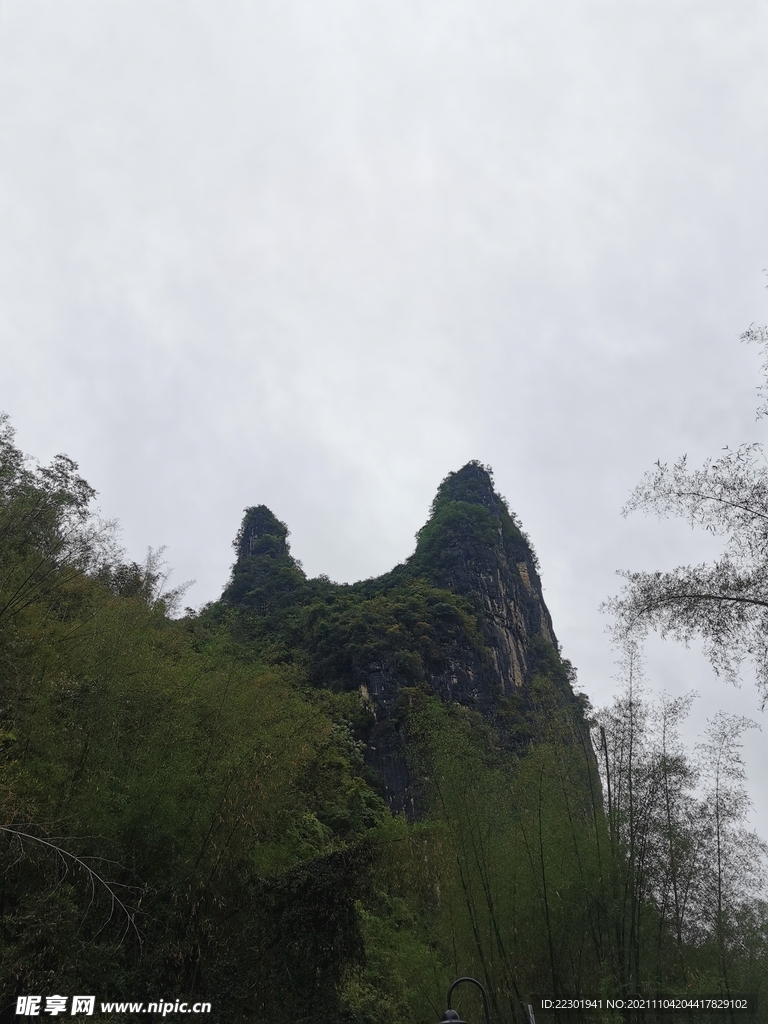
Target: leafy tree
(174, 812)
(687, 879)
(690, 859)
(515, 887)
(733, 872)
(725, 602)
(653, 824)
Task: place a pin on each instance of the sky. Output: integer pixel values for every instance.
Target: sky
(318, 255)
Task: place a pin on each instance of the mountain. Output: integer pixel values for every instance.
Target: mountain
(204, 805)
(463, 619)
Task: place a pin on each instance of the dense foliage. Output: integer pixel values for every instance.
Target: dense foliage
(187, 811)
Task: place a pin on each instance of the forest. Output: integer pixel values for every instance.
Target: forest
(193, 808)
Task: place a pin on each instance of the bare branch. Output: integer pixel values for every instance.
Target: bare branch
(94, 878)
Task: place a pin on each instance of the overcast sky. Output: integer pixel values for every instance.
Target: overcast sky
(319, 253)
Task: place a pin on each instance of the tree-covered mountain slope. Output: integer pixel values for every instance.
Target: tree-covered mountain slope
(463, 618)
(210, 808)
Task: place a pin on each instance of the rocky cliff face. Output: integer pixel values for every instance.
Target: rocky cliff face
(464, 617)
(473, 546)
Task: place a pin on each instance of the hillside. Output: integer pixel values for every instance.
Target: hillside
(463, 618)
